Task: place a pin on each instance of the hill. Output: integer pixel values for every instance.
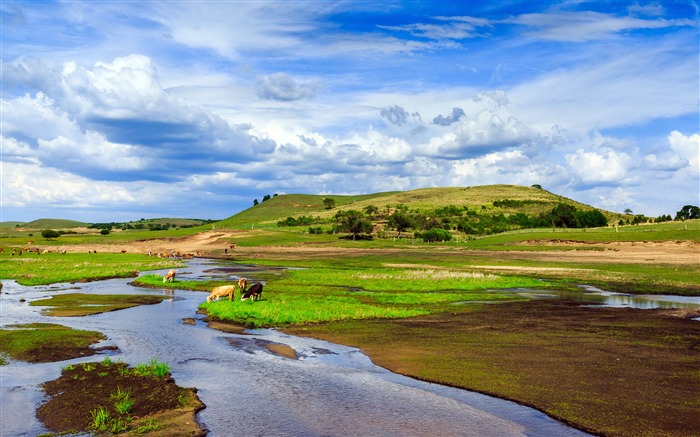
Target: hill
(48, 223)
(487, 199)
(10, 224)
(292, 205)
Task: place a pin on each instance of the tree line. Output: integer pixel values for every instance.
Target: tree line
(439, 224)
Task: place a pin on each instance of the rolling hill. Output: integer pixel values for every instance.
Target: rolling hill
(486, 199)
(48, 223)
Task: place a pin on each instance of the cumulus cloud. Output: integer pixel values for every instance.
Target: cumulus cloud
(687, 147)
(399, 116)
(441, 120)
(603, 167)
(281, 86)
(52, 137)
(116, 121)
(26, 185)
(480, 133)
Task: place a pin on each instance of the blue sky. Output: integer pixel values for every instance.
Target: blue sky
(118, 110)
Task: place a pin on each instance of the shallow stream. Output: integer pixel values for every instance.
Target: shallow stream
(330, 390)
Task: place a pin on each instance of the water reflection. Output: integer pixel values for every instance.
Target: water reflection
(596, 296)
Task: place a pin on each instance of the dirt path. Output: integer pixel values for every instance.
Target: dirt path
(202, 244)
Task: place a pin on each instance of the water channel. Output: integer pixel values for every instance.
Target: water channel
(330, 390)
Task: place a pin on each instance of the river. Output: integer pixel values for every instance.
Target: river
(330, 390)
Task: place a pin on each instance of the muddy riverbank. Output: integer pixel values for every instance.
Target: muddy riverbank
(611, 371)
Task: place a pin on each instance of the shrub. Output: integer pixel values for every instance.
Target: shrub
(48, 234)
(436, 234)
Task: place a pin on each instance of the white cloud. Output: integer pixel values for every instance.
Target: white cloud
(478, 134)
(687, 147)
(31, 185)
(599, 168)
(621, 87)
(281, 86)
(584, 26)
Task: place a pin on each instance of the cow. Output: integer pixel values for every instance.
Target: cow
(170, 276)
(219, 292)
(253, 293)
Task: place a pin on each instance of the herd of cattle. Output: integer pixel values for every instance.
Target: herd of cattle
(253, 293)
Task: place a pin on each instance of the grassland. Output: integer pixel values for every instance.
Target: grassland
(419, 308)
(35, 269)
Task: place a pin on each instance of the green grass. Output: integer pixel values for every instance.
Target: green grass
(154, 368)
(100, 419)
(669, 231)
(327, 293)
(31, 342)
(33, 269)
(147, 426)
(79, 304)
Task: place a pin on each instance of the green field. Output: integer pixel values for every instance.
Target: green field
(443, 312)
(33, 269)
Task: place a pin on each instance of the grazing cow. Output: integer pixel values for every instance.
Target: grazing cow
(170, 276)
(242, 284)
(219, 292)
(253, 293)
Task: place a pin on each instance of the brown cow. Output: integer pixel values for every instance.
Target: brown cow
(219, 292)
(170, 276)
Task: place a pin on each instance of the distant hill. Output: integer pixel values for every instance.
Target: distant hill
(10, 224)
(487, 199)
(47, 223)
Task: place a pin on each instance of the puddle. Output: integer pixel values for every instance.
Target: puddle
(598, 297)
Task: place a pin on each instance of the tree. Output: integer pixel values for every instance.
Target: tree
(688, 212)
(371, 210)
(628, 211)
(538, 186)
(563, 215)
(104, 231)
(255, 202)
(266, 197)
(353, 222)
(400, 221)
(328, 203)
(590, 219)
(48, 234)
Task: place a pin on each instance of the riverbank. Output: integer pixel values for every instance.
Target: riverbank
(561, 359)
(609, 371)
